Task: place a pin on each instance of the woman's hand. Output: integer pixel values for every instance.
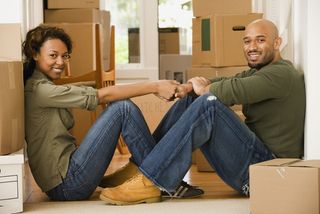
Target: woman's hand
(200, 85)
(183, 90)
(166, 89)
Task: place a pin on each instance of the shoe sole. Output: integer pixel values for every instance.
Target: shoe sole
(114, 202)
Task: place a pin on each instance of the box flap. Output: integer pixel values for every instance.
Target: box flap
(279, 162)
(307, 163)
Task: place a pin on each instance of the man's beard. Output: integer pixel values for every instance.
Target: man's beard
(258, 66)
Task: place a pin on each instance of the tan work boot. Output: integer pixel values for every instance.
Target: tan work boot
(138, 189)
(120, 176)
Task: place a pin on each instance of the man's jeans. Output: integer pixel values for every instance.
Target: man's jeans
(204, 122)
(90, 161)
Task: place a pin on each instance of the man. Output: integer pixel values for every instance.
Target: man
(272, 94)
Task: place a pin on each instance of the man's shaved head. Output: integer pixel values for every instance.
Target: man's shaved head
(261, 43)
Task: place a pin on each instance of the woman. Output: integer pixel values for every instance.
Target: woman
(61, 169)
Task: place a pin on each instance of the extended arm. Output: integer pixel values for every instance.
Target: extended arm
(164, 89)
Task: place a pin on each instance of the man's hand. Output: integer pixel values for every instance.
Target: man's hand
(200, 85)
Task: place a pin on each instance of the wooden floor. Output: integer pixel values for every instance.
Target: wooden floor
(213, 186)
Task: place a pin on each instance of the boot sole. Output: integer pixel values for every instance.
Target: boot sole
(115, 202)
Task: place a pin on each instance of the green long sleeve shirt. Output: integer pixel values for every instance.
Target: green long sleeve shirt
(273, 100)
(47, 124)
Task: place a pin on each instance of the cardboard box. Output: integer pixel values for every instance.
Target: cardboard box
(218, 39)
(286, 186)
(208, 7)
(213, 72)
(12, 107)
(169, 41)
(152, 108)
(62, 4)
(134, 45)
(10, 42)
(174, 66)
(85, 16)
(11, 182)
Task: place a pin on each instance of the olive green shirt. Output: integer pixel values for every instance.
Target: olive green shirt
(274, 102)
(49, 143)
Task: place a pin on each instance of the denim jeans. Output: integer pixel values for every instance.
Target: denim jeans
(90, 160)
(204, 122)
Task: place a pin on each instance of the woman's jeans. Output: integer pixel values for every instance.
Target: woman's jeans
(89, 162)
(204, 122)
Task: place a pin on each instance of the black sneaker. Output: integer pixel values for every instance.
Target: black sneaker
(184, 191)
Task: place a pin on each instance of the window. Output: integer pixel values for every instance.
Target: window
(135, 16)
(178, 14)
(125, 16)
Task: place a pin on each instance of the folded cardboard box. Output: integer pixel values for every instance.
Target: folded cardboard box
(207, 7)
(217, 40)
(285, 186)
(12, 107)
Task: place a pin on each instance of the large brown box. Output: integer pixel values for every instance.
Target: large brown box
(207, 7)
(12, 107)
(213, 72)
(152, 108)
(85, 16)
(63, 4)
(285, 186)
(218, 39)
(169, 41)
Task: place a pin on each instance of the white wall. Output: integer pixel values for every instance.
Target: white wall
(306, 49)
(11, 11)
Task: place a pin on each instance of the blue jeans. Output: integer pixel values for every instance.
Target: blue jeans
(89, 162)
(204, 122)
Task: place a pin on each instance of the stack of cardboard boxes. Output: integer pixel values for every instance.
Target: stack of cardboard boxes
(79, 18)
(217, 43)
(11, 120)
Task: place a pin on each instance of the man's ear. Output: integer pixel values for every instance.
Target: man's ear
(277, 43)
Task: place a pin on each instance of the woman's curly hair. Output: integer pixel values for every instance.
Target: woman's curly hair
(34, 41)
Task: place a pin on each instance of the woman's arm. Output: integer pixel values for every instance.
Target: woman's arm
(164, 89)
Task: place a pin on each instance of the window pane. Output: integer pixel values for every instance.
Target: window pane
(125, 17)
(177, 14)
